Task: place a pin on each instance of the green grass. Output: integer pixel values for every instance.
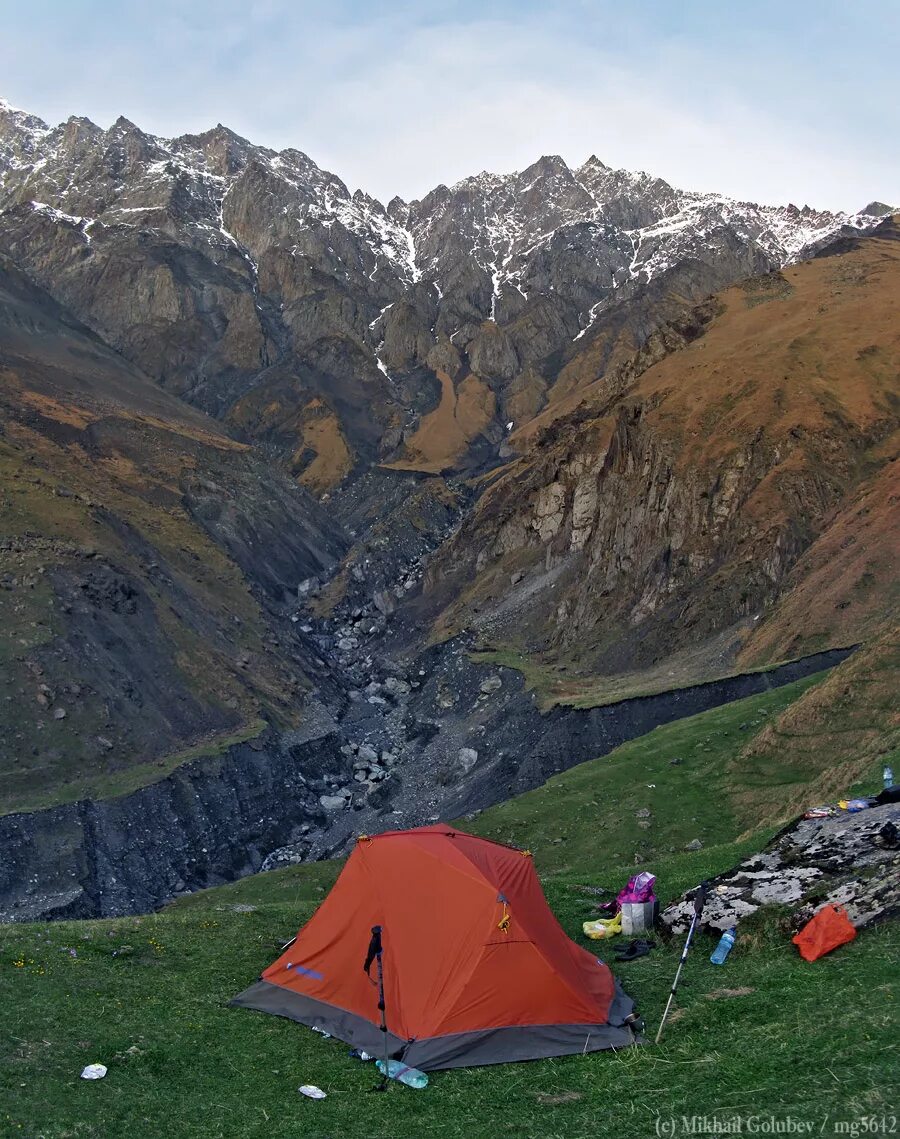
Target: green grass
(831, 743)
(557, 682)
(148, 996)
(108, 785)
(589, 812)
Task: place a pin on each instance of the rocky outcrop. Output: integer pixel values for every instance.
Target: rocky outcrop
(519, 748)
(674, 502)
(209, 822)
(849, 860)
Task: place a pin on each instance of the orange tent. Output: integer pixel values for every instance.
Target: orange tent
(477, 970)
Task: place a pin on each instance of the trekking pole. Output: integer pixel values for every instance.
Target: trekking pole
(375, 952)
(699, 901)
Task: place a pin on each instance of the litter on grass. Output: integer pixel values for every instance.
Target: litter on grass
(93, 1072)
(854, 805)
(638, 890)
(638, 907)
(596, 930)
(311, 1091)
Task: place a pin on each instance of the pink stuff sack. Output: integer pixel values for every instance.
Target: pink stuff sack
(639, 889)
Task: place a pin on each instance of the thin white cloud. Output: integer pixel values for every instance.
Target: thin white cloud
(397, 105)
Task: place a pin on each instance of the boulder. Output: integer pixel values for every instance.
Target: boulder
(307, 587)
(384, 602)
(383, 792)
(468, 757)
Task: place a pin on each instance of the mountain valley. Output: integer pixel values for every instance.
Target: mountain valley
(321, 515)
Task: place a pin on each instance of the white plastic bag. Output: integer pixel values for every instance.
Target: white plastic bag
(94, 1072)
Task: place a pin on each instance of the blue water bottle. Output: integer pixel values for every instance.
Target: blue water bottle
(888, 778)
(412, 1077)
(724, 947)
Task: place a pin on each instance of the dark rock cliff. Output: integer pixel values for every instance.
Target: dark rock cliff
(214, 820)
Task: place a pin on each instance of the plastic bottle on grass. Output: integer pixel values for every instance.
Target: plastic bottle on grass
(888, 776)
(412, 1077)
(722, 950)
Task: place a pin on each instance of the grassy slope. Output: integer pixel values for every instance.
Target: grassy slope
(824, 743)
(564, 682)
(94, 462)
(589, 812)
(846, 583)
(32, 616)
(147, 996)
(284, 413)
(444, 435)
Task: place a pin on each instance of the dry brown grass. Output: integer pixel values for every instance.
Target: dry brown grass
(797, 359)
(55, 409)
(836, 736)
(825, 356)
(306, 424)
(444, 435)
(846, 582)
(729, 994)
(334, 458)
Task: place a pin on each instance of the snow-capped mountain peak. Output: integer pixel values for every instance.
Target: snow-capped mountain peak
(542, 253)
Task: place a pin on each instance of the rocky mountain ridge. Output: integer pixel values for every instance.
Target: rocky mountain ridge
(331, 327)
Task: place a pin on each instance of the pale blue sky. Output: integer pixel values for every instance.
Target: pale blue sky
(774, 101)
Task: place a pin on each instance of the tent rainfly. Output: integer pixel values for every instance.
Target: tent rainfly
(477, 970)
